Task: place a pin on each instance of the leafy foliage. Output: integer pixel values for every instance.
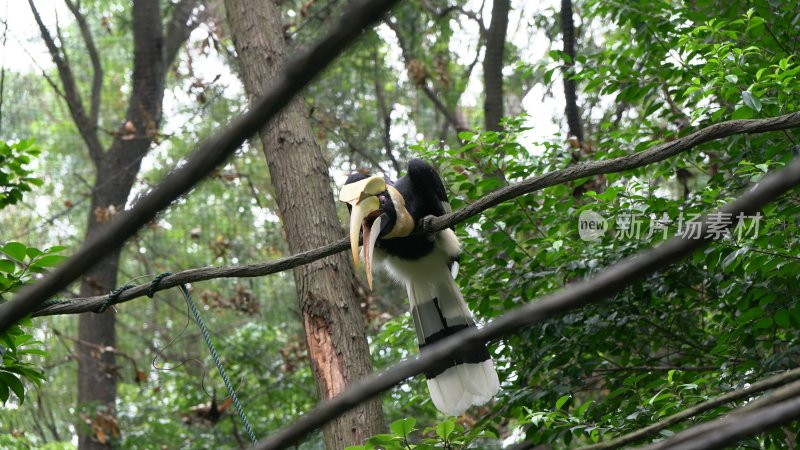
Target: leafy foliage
(14, 177)
(18, 264)
(443, 435)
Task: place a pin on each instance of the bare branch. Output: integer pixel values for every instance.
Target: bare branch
(211, 153)
(181, 24)
(739, 394)
(571, 109)
(94, 57)
(431, 224)
(440, 13)
(407, 57)
(86, 128)
(493, 60)
(607, 283)
(385, 111)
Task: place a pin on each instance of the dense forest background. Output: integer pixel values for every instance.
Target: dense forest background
(100, 99)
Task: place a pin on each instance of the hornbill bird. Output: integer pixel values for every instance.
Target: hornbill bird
(427, 264)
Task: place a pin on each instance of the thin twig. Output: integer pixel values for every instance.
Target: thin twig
(94, 57)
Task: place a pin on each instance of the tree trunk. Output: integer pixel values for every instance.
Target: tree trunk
(116, 172)
(571, 109)
(334, 328)
(493, 65)
(97, 340)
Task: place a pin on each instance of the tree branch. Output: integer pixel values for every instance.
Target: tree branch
(586, 169)
(407, 57)
(493, 60)
(739, 394)
(431, 224)
(181, 25)
(86, 127)
(571, 109)
(94, 57)
(441, 13)
(380, 97)
(607, 283)
(88, 304)
(741, 423)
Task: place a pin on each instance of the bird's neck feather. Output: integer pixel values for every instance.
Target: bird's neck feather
(404, 223)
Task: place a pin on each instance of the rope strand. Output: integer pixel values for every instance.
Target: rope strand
(218, 363)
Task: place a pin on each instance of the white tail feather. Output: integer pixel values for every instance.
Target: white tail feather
(464, 385)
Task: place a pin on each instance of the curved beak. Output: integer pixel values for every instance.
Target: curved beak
(358, 221)
(361, 195)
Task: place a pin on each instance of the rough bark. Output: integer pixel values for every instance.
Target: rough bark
(570, 91)
(493, 65)
(333, 325)
(116, 172)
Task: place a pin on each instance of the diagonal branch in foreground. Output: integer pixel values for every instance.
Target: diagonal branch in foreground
(609, 282)
(213, 152)
(740, 424)
(430, 224)
(739, 394)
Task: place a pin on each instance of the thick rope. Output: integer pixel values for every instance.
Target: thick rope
(113, 297)
(154, 284)
(214, 355)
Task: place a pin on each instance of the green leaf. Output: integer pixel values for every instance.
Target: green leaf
(22, 339)
(582, 409)
(751, 101)
(49, 261)
(766, 322)
(15, 384)
(548, 76)
(749, 315)
(671, 374)
(732, 78)
(14, 250)
(742, 113)
(444, 429)
(560, 402)
(403, 427)
(32, 351)
(732, 257)
(466, 135)
(7, 266)
(782, 319)
(383, 440)
(3, 391)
